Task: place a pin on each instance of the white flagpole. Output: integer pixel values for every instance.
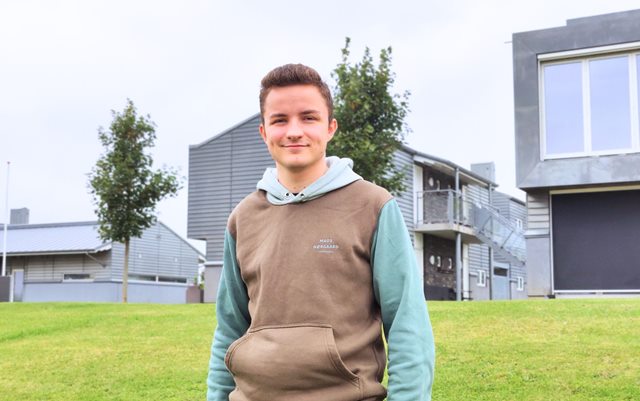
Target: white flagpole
(6, 224)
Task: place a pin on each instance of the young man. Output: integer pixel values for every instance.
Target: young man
(315, 262)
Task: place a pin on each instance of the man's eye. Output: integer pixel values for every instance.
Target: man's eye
(278, 121)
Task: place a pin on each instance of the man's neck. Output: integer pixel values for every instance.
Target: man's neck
(296, 181)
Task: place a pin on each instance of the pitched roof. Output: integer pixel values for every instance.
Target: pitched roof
(61, 238)
(57, 238)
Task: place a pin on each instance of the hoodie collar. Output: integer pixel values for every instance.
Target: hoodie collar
(338, 175)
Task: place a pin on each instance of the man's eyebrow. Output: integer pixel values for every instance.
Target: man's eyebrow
(311, 112)
(277, 115)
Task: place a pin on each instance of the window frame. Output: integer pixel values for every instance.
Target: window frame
(519, 223)
(482, 278)
(632, 52)
(432, 260)
(141, 278)
(88, 278)
(172, 280)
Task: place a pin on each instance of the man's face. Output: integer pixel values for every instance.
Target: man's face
(296, 127)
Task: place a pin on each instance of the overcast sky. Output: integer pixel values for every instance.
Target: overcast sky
(195, 67)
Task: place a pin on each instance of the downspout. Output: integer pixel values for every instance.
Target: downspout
(464, 259)
(456, 216)
(458, 267)
(465, 274)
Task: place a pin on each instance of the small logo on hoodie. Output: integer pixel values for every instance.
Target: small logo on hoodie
(325, 245)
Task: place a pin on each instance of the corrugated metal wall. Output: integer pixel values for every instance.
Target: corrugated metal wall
(502, 202)
(478, 253)
(404, 161)
(509, 208)
(54, 267)
(209, 201)
(538, 212)
(159, 252)
(513, 211)
(222, 172)
(518, 211)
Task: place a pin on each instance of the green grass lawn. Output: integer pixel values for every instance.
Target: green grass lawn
(529, 350)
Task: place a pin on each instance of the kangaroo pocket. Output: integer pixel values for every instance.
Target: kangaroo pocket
(297, 362)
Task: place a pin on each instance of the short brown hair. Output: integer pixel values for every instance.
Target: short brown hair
(294, 74)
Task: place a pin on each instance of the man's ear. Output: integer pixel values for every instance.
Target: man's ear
(263, 133)
(333, 127)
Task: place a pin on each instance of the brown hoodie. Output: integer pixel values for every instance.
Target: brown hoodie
(315, 332)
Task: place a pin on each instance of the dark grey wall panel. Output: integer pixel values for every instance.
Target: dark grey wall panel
(222, 171)
(595, 238)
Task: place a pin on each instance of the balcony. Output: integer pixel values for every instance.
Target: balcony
(443, 213)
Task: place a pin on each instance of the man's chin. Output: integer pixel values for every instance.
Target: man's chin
(298, 166)
(295, 167)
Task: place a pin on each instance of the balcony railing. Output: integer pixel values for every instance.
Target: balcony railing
(443, 206)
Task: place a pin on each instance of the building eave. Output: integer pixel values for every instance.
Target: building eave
(61, 252)
(448, 165)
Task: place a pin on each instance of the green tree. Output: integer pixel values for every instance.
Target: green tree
(124, 187)
(371, 123)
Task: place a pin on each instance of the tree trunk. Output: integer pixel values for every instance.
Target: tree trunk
(125, 273)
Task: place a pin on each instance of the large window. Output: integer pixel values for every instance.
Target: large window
(157, 279)
(590, 105)
(77, 277)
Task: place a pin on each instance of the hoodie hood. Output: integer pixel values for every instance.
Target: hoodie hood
(338, 175)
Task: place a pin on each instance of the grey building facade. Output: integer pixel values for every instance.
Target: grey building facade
(67, 262)
(577, 99)
(446, 208)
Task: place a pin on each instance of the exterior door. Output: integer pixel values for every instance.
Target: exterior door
(18, 285)
(500, 283)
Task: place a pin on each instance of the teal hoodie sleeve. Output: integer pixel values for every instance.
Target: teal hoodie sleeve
(232, 312)
(405, 318)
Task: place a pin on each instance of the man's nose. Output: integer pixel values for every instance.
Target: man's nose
(295, 129)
